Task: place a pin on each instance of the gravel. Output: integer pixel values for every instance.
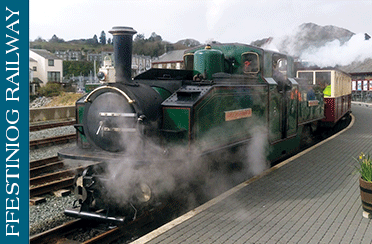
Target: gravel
(49, 214)
(40, 102)
(52, 132)
(50, 151)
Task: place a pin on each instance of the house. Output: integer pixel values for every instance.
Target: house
(170, 60)
(361, 75)
(98, 57)
(44, 67)
(70, 55)
(140, 64)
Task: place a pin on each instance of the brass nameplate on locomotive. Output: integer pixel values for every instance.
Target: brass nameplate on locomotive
(312, 103)
(238, 114)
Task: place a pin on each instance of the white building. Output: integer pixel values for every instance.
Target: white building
(170, 60)
(45, 67)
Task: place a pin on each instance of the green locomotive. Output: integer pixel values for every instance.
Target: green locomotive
(227, 95)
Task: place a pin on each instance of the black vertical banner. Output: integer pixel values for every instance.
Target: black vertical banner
(15, 121)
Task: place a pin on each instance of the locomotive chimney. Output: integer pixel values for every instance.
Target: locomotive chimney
(123, 38)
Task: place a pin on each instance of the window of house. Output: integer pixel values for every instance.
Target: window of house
(34, 68)
(50, 62)
(54, 76)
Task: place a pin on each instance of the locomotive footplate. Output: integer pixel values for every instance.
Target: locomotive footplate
(77, 213)
(90, 154)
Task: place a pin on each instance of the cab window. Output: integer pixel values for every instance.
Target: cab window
(250, 63)
(279, 67)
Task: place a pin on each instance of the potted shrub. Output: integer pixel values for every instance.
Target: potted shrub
(365, 181)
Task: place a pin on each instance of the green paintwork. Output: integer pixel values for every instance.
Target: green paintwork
(310, 113)
(210, 126)
(80, 115)
(162, 92)
(176, 124)
(233, 55)
(284, 147)
(275, 111)
(208, 62)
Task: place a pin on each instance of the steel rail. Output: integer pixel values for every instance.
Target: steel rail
(34, 144)
(40, 162)
(37, 127)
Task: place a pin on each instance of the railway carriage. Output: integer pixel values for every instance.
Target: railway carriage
(163, 119)
(336, 86)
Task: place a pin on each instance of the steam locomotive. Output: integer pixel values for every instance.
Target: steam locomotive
(145, 133)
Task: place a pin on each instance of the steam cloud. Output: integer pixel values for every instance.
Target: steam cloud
(182, 169)
(334, 53)
(336, 49)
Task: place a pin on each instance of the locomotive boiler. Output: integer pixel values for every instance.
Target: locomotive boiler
(146, 133)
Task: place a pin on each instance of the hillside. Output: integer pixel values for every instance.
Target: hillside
(147, 47)
(71, 45)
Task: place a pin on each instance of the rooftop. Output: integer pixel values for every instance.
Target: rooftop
(45, 54)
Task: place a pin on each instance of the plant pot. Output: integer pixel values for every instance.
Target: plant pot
(366, 195)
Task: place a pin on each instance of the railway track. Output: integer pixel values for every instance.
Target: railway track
(66, 233)
(34, 144)
(43, 126)
(91, 232)
(50, 174)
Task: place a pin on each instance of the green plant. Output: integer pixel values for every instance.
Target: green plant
(50, 89)
(365, 167)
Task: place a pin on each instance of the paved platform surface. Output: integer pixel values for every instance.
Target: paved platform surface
(313, 198)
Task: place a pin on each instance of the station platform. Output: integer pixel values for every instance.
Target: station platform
(312, 197)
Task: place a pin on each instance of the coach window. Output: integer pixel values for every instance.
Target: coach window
(251, 63)
(308, 76)
(323, 79)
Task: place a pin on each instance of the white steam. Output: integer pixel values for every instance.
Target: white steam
(334, 53)
(257, 151)
(322, 53)
(183, 169)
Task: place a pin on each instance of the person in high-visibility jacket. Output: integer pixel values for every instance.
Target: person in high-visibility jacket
(327, 91)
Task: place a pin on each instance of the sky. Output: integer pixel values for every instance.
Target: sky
(203, 20)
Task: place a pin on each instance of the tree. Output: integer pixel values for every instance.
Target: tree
(109, 41)
(95, 39)
(102, 38)
(139, 37)
(55, 39)
(76, 68)
(39, 39)
(155, 38)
